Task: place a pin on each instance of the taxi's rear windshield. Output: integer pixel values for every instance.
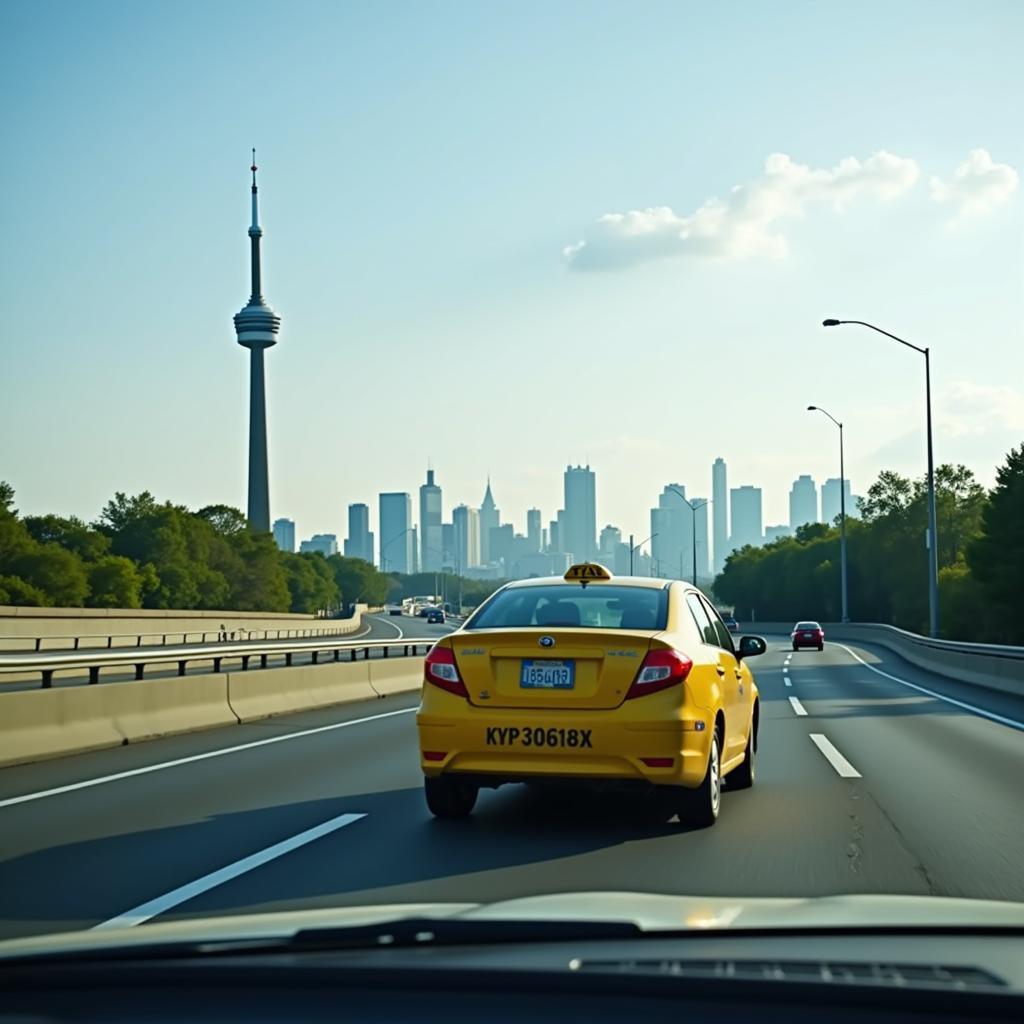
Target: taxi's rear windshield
(807, 625)
(597, 606)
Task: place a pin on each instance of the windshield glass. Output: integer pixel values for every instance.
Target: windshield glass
(597, 606)
(342, 342)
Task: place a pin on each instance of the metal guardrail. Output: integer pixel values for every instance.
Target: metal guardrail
(957, 646)
(75, 643)
(46, 663)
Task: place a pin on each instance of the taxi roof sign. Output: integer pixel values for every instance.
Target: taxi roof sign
(584, 572)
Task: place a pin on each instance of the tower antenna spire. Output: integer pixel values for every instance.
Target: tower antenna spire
(256, 327)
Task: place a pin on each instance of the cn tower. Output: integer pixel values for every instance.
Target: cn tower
(256, 326)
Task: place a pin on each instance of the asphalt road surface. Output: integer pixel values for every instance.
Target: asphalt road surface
(873, 777)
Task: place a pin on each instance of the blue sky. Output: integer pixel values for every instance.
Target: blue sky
(424, 167)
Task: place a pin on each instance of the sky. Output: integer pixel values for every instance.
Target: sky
(504, 238)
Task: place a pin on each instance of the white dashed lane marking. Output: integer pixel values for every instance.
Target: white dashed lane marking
(150, 909)
(843, 768)
(797, 706)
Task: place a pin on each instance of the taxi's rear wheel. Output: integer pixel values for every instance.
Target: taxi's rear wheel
(449, 797)
(742, 777)
(700, 806)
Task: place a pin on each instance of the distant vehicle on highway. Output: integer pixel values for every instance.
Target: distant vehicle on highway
(731, 624)
(395, 609)
(808, 634)
(435, 615)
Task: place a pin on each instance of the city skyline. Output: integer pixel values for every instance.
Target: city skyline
(670, 541)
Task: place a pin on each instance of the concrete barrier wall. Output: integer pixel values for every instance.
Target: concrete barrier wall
(40, 724)
(389, 676)
(20, 626)
(267, 692)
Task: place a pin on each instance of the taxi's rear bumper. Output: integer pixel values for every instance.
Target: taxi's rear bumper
(505, 745)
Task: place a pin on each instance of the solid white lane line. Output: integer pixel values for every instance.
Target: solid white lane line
(797, 706)
(843, 768)
(146, 769)
(150, 909)
(388, 622)
(991, 715)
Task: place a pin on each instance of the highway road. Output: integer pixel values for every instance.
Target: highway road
(873, 777)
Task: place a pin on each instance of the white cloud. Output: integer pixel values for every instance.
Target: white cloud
(748, 222)
(969, 408)
(978, 185)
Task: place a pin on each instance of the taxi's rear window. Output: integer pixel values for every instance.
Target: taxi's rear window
(598, 606)
(807, 625)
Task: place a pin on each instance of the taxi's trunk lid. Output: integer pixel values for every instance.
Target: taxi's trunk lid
(550, 668)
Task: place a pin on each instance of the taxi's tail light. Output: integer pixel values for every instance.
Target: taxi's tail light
(441, 670)
(661, 669)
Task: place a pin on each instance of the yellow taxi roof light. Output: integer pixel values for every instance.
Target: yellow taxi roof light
(584, 572)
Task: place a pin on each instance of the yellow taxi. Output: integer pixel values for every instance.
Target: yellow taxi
(593, 678)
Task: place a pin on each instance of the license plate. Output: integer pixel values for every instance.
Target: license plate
(539, 736)
(547, 675)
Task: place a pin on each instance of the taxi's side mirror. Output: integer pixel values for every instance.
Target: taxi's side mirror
(751, 646)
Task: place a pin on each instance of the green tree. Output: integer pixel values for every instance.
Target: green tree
(359, 582)
(311, 582)
(114, 582)
(71, 533)
(226, 520)
(15, 591)
(58, 573)
(996, 556)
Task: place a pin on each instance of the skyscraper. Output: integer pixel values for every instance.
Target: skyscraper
(395, 532)
(611, 538)
(555, 533)
(448, 545)
(720, 512)
(671, 549)
(431, 543)
(502, 544)
(830, 500)
(580, 532)
(533, 529)
(284, 534)
(324, 543)
(747, 519)
(256, 327)
(359, 543)
(489, 517)
(466, 522)
(803, 502)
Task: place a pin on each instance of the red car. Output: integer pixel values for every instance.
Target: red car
(808, 634)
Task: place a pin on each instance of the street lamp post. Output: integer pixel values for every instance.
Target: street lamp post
(633, 547)
(693, 522)
(842, 509)
(933, 537)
